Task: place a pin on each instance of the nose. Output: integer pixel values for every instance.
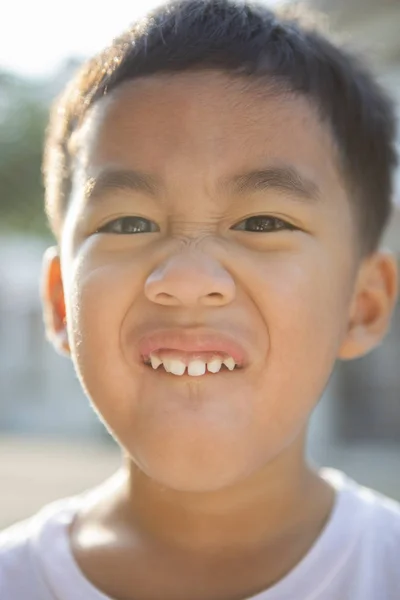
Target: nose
(190, 281)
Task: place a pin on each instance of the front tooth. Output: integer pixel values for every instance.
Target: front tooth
(176, 367)
(230, 363)
(214, 365)
(196, 367)
(155, 361)
(166, 363)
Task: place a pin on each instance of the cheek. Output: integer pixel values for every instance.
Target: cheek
(303, 301)
(100, 293)
(306, 305)
(303, 296)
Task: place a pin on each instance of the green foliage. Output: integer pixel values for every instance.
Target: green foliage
(23, 118)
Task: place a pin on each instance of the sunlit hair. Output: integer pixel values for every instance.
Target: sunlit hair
(246, 40)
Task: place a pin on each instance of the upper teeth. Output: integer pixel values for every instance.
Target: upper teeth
(195, 367)
(155, 361)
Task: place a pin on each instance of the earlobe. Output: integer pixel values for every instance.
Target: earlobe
(372, 307)
(53, 301)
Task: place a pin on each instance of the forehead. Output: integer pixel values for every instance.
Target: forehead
(207, 125)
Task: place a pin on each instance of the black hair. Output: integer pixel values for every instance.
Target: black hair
(247, 40)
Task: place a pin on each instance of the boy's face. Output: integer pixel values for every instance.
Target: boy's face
(288, 296)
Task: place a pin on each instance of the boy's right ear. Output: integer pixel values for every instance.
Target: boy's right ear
(52, 292)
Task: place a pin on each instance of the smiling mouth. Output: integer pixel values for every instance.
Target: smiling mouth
(191, 364)
(191, 352)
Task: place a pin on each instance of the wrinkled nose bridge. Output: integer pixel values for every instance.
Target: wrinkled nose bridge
(190, 278)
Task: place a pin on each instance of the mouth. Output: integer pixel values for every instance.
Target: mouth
(190, 364)
(191, 354)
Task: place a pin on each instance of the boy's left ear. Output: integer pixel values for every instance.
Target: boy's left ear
(53, 301)
(373, 303)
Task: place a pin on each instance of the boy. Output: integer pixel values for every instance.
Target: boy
(218, 181)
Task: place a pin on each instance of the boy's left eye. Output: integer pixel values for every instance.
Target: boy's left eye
(129, 225)
(263, 224)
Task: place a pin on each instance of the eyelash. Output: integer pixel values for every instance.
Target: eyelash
(107, 228)
(266, 220)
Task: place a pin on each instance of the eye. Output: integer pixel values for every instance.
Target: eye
(263, 224)
(129, 225)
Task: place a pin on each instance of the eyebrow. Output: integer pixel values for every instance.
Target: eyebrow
(285, 179)
(110, 180)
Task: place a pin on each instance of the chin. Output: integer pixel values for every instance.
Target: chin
(192, 467)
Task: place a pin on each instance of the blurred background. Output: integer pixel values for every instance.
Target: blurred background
(51, 442)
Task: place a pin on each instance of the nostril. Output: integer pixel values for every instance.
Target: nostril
(164, 297)
(215, 296)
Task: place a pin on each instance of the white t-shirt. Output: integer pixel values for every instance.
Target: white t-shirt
(356, 557)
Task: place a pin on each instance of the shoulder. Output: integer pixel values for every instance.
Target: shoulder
(18, 576)
(379, 547)
(378, 520)
(14, 546)
(377, 508)
(383, 513)
(382, 523)
(21, 573)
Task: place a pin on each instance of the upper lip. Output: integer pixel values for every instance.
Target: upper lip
(193, 341)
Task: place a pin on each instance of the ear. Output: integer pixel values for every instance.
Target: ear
(373, 303)
(53, 301)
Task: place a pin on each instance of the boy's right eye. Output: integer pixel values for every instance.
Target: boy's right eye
(129, 225)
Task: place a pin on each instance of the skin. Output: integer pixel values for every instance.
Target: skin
(214, 495)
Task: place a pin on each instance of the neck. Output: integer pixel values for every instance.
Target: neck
(273, 504)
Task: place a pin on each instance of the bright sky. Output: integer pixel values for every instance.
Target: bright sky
(36, 35)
